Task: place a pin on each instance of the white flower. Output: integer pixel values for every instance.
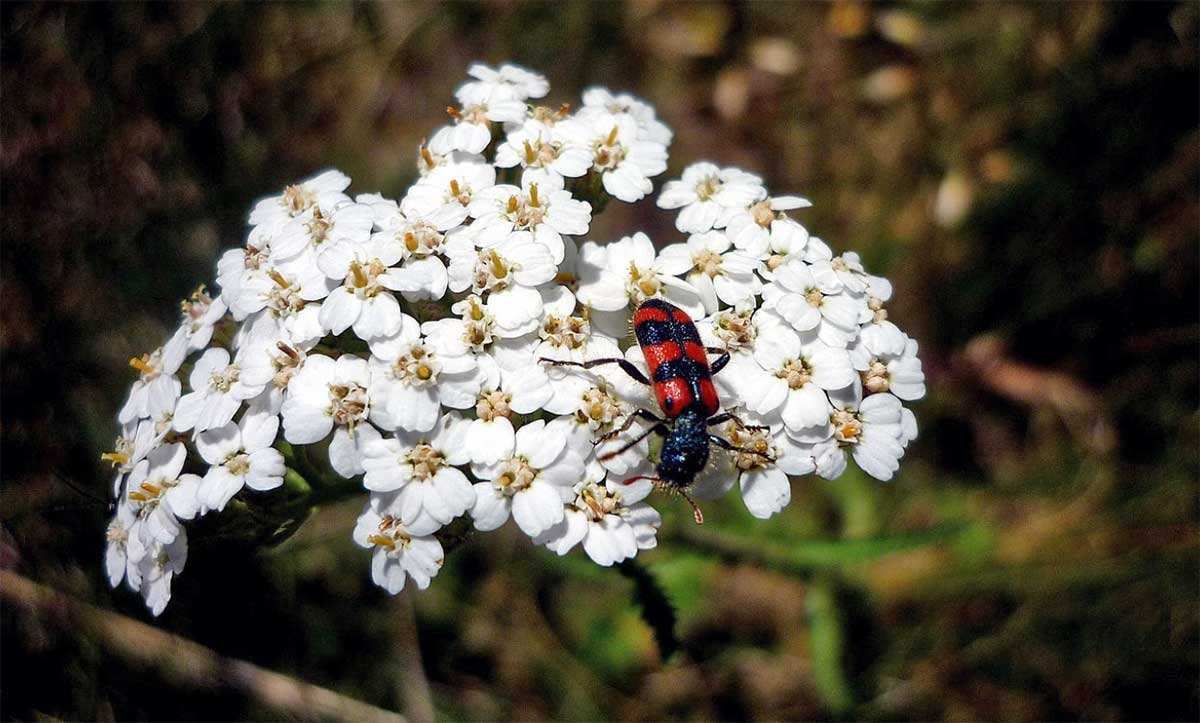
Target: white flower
(789, 240)
(117, 536)
(708, 194)
(136, 440)
(398, 553)
(509, 82)
(362, 301)
(901, 374)
(509, 273)
(474, 332)
(413, 382)
(160, 495)
(326, 394)
(761, 464)
(199, 313)
(442, 197)
(156, 565)
(842, 273)
(545, 153)
(416, 241)
(880, 336)
(289, 300)
(156, 389)
(324, 190)
(531, 483)
(234, 266)
(792, 378)
(267, 360)
(419, 468)
(520, 390)
(315, 230)
(874, 431)
(717, 274)
(218, 390)
(544, 215)
(241, 455)
(763, 227)
(471, 132)
(627, 272)
(601, 100)
(809, 303)
(624, 160)
(610, 519)
(800, 338)
(569, 338)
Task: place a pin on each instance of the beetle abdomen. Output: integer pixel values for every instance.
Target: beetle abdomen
(676, 359)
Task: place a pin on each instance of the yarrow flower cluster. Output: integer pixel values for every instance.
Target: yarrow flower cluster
(407, 342)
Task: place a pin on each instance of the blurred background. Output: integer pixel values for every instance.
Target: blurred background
(1027, 174)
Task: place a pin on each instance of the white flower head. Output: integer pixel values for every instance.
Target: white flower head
(399, 554)
(160, 495)
(471, 130)
(901, 374)
(763, 227)
(331, 395)
(611, 523)
(419, 467)
(508, 82)
(761, 463)
(627, 272)
(438, 345)
(153, 565)
(218, 390)
(874, 432)
(718, 273)
(156, 389)
(443, 196)
(199, 313)
(121, 528)
(541, 214)
(546, 154)
(325, 190)
(413, 381)
(812, 304)
(240, 456)
(315, 230)
(530, 483)
(507, 275)
(707, 194)
(625, 161)
(602, 100)
(790, 378)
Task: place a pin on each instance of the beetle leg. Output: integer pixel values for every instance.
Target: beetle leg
(656, 429)
(726, 444)
(643, 413)
(730, 416)
(626, 366)
(696, 513)
(660, 484)
(722, 358)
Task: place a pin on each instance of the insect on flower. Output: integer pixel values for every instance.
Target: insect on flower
(681, 376)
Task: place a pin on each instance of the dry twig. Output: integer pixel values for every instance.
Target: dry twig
(182, 660)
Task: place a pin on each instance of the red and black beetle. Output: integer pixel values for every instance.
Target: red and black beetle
(682, 381)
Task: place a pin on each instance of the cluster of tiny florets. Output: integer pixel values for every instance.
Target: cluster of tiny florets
(412, 334)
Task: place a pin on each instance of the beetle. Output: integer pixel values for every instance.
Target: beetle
(681, 376)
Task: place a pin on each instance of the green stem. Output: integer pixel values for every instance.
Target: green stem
(806, 557)
(827, 640)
